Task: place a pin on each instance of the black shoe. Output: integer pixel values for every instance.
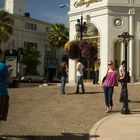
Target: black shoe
(121, 100)
(129, 100)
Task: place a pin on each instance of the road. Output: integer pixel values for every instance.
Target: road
(41, 113)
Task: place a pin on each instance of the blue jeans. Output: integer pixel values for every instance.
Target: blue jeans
(63, 83)
(96, 76)
(122, 90)
(108, 91)
(80, 82)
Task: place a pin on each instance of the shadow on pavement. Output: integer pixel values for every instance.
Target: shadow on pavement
(134, 101)
(63, 136)
(96, 92)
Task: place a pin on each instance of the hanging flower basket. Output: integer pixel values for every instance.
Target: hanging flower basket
(75, 49)
(88, 49)
(72, 49)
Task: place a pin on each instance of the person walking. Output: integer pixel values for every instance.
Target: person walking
(63, 73)
(80, 77)
(110, 81)
(4, 96)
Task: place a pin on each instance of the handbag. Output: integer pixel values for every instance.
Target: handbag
(103, 79)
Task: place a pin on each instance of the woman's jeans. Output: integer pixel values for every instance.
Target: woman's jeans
(108, 91)
(80, 82)
(63, 83)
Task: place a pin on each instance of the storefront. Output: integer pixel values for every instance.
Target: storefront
(106, 19)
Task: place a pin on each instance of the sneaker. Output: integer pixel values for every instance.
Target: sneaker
(121, 100)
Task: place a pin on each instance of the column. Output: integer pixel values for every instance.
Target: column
(72, 71)
(131, 43)
(122, 51)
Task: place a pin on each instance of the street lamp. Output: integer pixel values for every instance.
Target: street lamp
(81, 27)
(125, 38)
(64, 5)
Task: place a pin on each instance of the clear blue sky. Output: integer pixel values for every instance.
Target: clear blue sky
(46, 10)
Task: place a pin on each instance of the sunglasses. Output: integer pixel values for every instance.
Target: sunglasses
(110, 64)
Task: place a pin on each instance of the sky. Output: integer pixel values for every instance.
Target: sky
(46, 10)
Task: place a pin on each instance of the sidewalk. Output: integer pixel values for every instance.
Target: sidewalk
(117, 127)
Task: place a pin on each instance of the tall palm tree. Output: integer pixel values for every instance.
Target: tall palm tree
(6, 26)
(58, 35)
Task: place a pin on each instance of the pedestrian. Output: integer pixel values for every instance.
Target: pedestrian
(4, 96)
(80, 76)
(96, 70)
(110, 81)
(122, 79)
(63, 74)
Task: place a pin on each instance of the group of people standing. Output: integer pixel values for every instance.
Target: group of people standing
(63, 74)
(110, 80)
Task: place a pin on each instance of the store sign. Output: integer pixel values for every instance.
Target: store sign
(85, 3)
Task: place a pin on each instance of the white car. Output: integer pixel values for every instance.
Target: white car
(33, 78)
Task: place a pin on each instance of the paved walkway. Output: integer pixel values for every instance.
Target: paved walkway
(117, 127)
(43, 114)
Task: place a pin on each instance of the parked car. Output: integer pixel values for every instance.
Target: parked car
(36, 77)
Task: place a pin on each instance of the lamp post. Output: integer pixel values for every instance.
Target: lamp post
(125, 38)
(64, 5)
(81, 28)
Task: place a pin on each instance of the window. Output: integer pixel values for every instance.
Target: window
(30, 44)
(30, 26)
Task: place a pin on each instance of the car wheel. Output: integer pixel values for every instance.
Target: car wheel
(29, 80)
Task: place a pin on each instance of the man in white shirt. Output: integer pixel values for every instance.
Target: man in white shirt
(80, 77)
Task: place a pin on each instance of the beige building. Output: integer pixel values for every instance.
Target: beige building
(29, 32)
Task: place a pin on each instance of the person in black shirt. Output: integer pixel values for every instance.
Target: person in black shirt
(63, 71)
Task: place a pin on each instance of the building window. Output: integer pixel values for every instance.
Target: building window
(30, 26)
(30, 45)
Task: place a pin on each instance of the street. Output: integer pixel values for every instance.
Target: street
(41, 113)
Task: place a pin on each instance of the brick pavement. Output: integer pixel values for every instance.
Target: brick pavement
(43, 114)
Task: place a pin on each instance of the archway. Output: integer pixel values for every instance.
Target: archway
(92, 35)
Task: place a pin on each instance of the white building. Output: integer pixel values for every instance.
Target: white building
(29, 32)
(111, 18)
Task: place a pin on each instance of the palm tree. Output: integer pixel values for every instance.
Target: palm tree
(58, 35)
(6, 26)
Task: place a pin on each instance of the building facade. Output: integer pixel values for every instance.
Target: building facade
(29, 32)
(110, 18)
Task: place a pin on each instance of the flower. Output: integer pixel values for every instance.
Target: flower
(88, 49)
(75, 49)
(72, 50)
